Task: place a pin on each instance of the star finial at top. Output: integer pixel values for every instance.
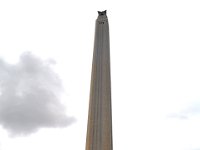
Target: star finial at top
(101, 13)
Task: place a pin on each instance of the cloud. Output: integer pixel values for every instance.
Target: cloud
(192, 110)
(30, 96)
(178, 115)
(193, 149)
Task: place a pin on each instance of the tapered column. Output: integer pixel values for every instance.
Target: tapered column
(99, 131)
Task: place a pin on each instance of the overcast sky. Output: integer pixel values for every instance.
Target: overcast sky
(45, 68)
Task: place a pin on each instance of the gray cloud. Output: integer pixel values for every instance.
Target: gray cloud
(30, 96)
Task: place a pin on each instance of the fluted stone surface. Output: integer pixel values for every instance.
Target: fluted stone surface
(99, 131)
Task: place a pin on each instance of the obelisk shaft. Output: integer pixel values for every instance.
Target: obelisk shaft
(99, 131)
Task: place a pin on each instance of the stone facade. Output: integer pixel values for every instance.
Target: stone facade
(99, 131)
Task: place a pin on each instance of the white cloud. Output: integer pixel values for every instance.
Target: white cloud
(191, 111)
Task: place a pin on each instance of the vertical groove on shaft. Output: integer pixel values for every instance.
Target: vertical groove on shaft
(99, 132)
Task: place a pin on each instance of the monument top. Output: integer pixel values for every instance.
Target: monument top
(102, 13)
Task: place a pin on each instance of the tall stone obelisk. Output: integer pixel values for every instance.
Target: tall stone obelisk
(99, 131)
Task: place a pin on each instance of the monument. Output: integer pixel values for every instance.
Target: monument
(99, 130)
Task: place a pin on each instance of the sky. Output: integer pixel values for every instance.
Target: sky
(46, 52)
